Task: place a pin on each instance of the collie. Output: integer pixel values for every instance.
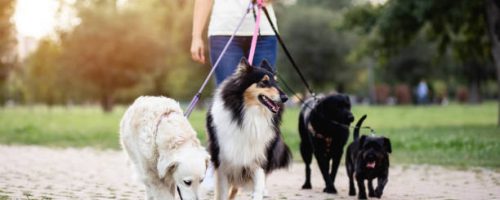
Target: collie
(243, 122)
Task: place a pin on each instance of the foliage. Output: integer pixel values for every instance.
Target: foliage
(111, 49)
(455, 30)
(312, 36)
(7, 43)
(41, 74)
(447, 135)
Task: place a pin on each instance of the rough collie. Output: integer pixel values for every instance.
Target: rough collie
(243, 122)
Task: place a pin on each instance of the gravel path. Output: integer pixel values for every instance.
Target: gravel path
(31, 172)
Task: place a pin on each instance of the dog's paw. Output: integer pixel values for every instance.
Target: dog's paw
(330, 190)
(362, 197)
(306, 186)
(352, 193)
(371, 194)
(377, 194)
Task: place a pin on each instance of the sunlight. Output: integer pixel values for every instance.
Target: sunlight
(35, 18)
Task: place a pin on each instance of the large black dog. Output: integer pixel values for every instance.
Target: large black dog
(322, 133)
(367, 158)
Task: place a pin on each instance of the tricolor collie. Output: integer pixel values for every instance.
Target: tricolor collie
(245, 142)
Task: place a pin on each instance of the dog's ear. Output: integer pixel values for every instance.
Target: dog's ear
(243, 66)
(387, 145)
(362, 141)
(207, 157)
(166, 166)
(266, 65)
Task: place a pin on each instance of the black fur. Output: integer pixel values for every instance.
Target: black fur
(213, 146)
(235, 86)
(327, 139)
(368, 149)
(232, 91)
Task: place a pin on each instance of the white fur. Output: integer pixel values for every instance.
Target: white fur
(241, 146)
(163, 147)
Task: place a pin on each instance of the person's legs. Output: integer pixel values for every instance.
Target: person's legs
(229, 60)
(266, 49)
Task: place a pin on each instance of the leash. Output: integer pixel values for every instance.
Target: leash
(304, 81)
(290, 90)
(196, 97)
(253, 45)
(179, 191)
(287, 53)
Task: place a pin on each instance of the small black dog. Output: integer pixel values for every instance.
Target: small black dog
(367, 158)
(321, 133)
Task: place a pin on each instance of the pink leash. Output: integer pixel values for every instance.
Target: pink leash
(255, 32)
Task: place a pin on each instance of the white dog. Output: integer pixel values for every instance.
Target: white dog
(163, 148)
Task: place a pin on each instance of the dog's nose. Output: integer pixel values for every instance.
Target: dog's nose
(283, 98)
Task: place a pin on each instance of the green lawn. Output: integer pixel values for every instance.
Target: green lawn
(453, 135)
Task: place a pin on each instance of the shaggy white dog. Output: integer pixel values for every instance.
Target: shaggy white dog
(163, 148)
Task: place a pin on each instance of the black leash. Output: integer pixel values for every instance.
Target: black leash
(179, 191)
(288, 55)
(308, 87)
(290, 90)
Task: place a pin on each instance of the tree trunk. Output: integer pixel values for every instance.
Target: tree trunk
(107, 102)
(371, 82)
(493, 15)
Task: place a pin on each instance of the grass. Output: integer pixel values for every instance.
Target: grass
(453, 135)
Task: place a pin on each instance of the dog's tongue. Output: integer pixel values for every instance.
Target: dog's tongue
(370, 165)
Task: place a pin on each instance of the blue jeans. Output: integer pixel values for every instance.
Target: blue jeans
(240, 47)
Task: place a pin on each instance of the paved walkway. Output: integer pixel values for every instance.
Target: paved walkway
(31, 172)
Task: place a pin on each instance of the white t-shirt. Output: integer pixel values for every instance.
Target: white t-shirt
(226, 14)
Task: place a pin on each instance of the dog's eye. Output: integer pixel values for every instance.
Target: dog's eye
(201, 180)
(188, 183)
(264, 83)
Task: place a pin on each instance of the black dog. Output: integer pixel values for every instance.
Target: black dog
(367, 158)
(324, 132)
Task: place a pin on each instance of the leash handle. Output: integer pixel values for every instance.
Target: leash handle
(255, 33)
(195, 99)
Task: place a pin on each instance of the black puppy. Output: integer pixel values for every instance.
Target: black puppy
(367, 158)
(324, 132)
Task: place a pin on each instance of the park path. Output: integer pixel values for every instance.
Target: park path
(32, 172)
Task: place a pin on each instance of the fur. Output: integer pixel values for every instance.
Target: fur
(245, 142)
(367, 158)
(322, 137)
(163, 148)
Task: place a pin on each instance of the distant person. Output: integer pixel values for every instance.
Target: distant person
(226, 14)
(422, 93)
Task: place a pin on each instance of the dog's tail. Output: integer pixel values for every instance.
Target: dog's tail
(358, 126)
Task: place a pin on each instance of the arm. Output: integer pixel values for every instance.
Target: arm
(200, 16)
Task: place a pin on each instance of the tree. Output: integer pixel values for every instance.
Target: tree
(460, 25)
(42, 74)
(7, 43)
(493, 17)
(180, 77)
(111, 49)
(311, 34)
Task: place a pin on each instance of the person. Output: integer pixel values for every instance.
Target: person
(225, 16)
(422, 92)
